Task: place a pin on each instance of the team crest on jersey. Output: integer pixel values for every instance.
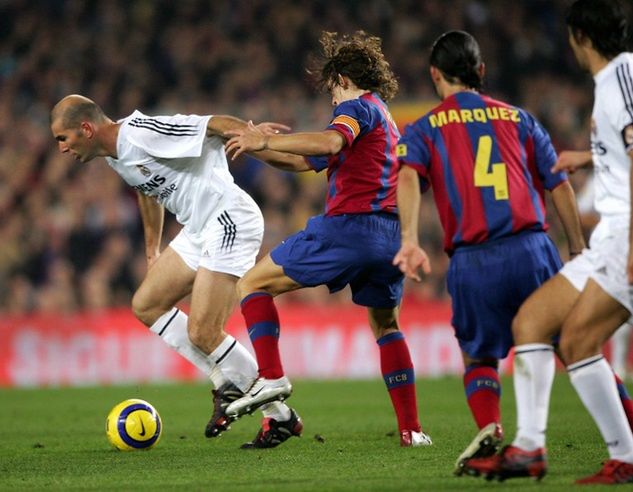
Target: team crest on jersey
(627, 136)
(144, 170)
(401, 150)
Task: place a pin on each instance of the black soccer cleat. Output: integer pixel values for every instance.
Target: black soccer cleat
(273, 433)
(222, 396)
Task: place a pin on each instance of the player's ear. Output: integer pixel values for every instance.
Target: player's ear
(342, 81)
(579, 38)
(436, 74)
(481, 70)
(87, 129)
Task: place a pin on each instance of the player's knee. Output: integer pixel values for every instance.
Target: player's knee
(142, 309)
(147, 312)
(246, 285)
(528, 328)
(520, 327)
(241, 288)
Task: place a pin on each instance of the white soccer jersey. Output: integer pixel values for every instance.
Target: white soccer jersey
(611, 140)
(612, 136)
(171, 159)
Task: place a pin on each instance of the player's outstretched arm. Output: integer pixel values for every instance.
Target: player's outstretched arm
(283, 161)
(411, 257)
(571, 160)
(153, 217)
(220, 125)
(567, 209)
(251, 139)
(223, 125)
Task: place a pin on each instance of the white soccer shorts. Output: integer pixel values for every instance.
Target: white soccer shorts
(605, 263)
(230, 241)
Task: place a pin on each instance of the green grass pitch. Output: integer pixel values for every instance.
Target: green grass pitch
(54, 439)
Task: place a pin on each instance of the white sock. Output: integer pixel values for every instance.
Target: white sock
(620, 349)
(594, 383)
(534, 367)
(235, 362)
(217, 378)
(276, 410)
(172, 328)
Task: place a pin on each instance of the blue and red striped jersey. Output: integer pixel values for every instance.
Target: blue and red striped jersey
(488, 164)
(363, 176)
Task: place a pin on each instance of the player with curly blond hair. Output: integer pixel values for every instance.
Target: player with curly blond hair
(353, 242)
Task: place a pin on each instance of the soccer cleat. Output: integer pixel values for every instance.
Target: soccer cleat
(261, 392)
(409, 438)
(220, 421)
(612, 472)
(486, 443)
(273, 433)
(512, 462)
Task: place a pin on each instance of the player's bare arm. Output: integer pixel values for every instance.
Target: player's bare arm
(283, 161)
(411, 257)
(220, 125)
(224, 125)
(153, 217)
(565, 203)
(328, 142)
(571, 160)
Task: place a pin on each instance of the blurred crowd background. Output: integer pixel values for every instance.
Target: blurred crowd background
(70, 233)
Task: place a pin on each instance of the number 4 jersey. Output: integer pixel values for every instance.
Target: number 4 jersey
(488, 164)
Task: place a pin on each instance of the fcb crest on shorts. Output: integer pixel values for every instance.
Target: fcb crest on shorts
(144, 170)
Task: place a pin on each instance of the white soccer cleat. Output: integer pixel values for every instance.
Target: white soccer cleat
(410, 438)
(486, 443)
(261, 392)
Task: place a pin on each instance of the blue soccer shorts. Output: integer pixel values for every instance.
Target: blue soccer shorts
(354, 249)
(489, 282)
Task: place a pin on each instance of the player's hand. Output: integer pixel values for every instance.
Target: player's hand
(571, 160)
(249, 139)
(410, 259)
(271, 128)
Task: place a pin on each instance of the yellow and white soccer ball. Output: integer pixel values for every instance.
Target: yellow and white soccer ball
(133, 424)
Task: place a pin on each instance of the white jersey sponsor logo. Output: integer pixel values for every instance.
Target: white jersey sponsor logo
(171, 159)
